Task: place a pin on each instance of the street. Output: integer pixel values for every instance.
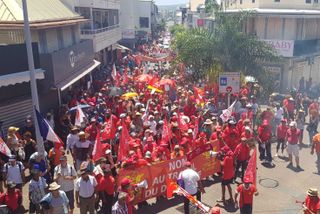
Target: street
(279, 188)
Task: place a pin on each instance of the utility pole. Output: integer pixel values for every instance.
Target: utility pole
(33, 82)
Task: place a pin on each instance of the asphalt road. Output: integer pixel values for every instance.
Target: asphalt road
(279, 188)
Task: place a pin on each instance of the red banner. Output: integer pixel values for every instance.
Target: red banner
(251, 171)
(157, 174)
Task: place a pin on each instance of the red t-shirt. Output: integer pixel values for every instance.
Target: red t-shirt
(313, 205)
(281, 132)
(228, 168)
(264, 133)
(108, 184)
(242, 152)
(11, 200)
(92, 131)
(293, 136)
(246, 196)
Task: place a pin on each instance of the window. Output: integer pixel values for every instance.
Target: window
(43, 41)
(276, 0)
(316, 1)
(308, 1)
(253, 1)
(144, 22)
(73, 35)
(240, 1)
(60, 38)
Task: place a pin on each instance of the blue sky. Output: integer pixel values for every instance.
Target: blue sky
(168, 2)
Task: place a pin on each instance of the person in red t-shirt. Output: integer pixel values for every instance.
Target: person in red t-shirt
(311, 205)
(92, 130)
(246, 192)
(281, 136)
(265, 134)
(242, 155)
(108, 185)
(12, 198)
(316, 147)
(227, 173)
(292, 137)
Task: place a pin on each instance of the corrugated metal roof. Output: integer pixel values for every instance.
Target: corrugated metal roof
(38, 10)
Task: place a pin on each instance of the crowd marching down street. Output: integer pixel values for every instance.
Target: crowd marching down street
(141, 132)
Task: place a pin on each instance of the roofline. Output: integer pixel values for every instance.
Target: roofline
(42, 24)
(278, 12)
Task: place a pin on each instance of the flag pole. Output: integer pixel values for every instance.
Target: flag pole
(33, 82)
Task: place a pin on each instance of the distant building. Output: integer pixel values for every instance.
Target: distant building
(138, 21)
(293, 28)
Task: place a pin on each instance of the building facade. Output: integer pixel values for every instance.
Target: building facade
(138, 19)
(62, 58)
(292, 27)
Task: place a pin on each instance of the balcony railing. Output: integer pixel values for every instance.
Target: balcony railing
(100, 30)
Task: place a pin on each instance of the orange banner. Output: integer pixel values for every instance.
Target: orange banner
(157, 174)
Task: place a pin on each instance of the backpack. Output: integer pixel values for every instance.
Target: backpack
(19, 164)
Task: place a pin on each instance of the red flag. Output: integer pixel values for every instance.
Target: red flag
(251, 171)
(196, 128)
(199, 93)
(124, 143)
(153, 81)
(166, 131)
(172, 186)
(109, 131)
(4, 149)
(125, 77)
(183, 126)
(99, 148)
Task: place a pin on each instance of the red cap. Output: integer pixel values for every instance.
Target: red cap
(246, 180)
(265, 123)
(215, 210)
(225, 149)
(187, 164)
(125, 182)
(202, 134)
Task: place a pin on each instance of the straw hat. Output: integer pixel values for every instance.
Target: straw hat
(54, 186)
(13, 129)
(312, 192)
(208, 122)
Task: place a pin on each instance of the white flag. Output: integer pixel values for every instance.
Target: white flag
(114, 72)
(80, 117)
(227, 113)
(4, 149)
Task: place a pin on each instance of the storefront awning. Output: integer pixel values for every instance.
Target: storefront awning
(74, 78)
(19, 77)
(121, 47)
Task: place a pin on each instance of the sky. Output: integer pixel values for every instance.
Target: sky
(168, 2)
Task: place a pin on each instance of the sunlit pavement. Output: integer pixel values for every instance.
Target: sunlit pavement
(279, 189)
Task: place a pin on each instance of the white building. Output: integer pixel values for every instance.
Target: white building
(138, 20)
(103, 27)
(293, 28)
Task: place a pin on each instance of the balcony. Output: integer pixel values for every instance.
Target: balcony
(102, 37)
(101, 4)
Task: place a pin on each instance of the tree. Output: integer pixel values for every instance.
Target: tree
(226, 47)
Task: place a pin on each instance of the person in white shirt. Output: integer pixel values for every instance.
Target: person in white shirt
(64, 175)
(37, 187)
(278, 116)
(190, 181)
(14, 171)
(85, 191)
(72, 138)
(82, 149)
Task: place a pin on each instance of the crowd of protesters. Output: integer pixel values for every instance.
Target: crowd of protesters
(67, 177)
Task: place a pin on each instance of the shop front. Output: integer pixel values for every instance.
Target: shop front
(67, 67)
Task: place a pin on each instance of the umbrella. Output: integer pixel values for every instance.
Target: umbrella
(82, 106)
(115, 91)
(144, 78)
(129, 95)
(169, 82)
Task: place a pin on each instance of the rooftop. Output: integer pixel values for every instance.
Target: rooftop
(276, 11)
(39, 11)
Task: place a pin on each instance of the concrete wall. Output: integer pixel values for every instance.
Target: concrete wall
(143, 9)
(104, 4)
(128, 18)
(195, 3)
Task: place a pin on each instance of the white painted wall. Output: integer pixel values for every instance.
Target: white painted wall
(128, 16)
(103, 4)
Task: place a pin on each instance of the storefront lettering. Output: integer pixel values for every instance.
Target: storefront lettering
(74, 59)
